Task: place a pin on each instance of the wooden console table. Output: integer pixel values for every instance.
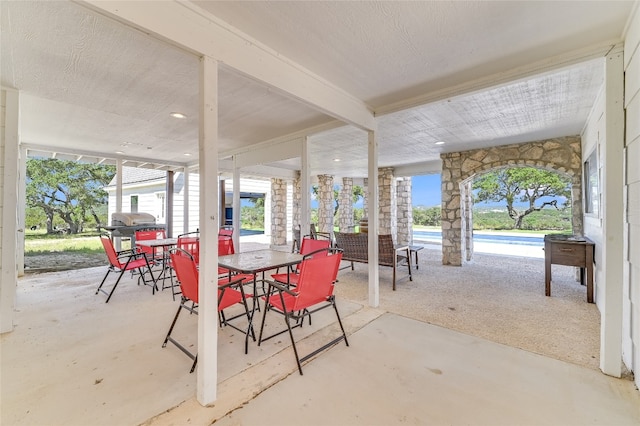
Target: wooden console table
(569, 250)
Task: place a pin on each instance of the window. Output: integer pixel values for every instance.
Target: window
(160, 207)
(134, 204)
(591, 184)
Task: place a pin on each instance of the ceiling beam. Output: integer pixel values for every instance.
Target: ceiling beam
(189, 27)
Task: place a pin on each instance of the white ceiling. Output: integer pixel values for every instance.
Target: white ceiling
(471, 74)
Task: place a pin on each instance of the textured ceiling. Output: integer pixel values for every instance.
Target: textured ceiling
(93, 86)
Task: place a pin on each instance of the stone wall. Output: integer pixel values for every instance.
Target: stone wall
(405, 211)
(278, 212)
(562, 155)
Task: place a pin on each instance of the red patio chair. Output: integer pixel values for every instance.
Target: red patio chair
(226, 231)
(189, 242)
(310, 248)
(225, 247)
(313, 293)
(125, 260)
(229, 293)
(154, 254)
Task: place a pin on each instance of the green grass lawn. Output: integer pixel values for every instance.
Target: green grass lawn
(39, 242)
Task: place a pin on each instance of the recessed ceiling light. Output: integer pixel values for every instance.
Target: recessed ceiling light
(178, 115)
(336, 159)
(440, 143)
(186, 154)
(119, 152)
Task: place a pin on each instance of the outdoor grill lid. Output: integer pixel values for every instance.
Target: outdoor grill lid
(132, 219)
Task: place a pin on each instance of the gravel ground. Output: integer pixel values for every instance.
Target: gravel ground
(62, 261)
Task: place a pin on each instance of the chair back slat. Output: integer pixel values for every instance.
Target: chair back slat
(316, 282)
(110, 251)
(186, 272)
(225, 246)
(310, 245)
(226, 231)
(190, 244)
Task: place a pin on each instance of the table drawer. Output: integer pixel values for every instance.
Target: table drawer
(568, 254)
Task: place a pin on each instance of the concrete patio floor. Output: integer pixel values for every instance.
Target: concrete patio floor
(74, 360)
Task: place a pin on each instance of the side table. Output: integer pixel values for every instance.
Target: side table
(570, 250)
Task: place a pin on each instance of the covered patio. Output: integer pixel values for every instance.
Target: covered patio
(73, 360)
(263, 88)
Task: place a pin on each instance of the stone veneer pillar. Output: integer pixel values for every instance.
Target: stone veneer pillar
(297, 199)
(278, 212)
(466, 209)
(563, 155)
(365, 196)
(345, 211)
(325, 203)
(388, 203)
(405, 211)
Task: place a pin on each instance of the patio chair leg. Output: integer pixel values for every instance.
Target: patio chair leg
(166, 339)
(103, 280)
(264, 316)
(335, 308)
(293, 342)
(114, 286)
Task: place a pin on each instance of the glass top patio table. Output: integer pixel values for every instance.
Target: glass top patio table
(253, 262)
(158, 242)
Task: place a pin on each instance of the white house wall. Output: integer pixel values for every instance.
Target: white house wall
(631, 298)
(592, 140)
(148, 200)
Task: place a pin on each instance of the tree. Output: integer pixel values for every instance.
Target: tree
(70, 190)
(358, 193)
(522, 185)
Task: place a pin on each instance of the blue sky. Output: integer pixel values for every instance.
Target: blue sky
(426, 190)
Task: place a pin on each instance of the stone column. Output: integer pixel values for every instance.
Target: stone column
(278, 212)
(345, 211)
(325, 203)
(405, 211)
(365, 196)
(388, 203)
(297, 197)
(451, 231)
(467, 218)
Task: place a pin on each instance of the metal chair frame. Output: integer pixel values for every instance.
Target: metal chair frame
(133, 260)
(317, 275)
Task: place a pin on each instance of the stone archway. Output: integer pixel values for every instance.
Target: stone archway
(562, 155)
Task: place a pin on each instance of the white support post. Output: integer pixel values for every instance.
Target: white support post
(613, 217)
(185, 200)
(9, 205)
(22, 203)
(119, 172)
(207, 374)
(236, 205)
(305, 193)
(374, 226)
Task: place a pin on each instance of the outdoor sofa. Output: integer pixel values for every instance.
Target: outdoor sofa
(355, 248)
